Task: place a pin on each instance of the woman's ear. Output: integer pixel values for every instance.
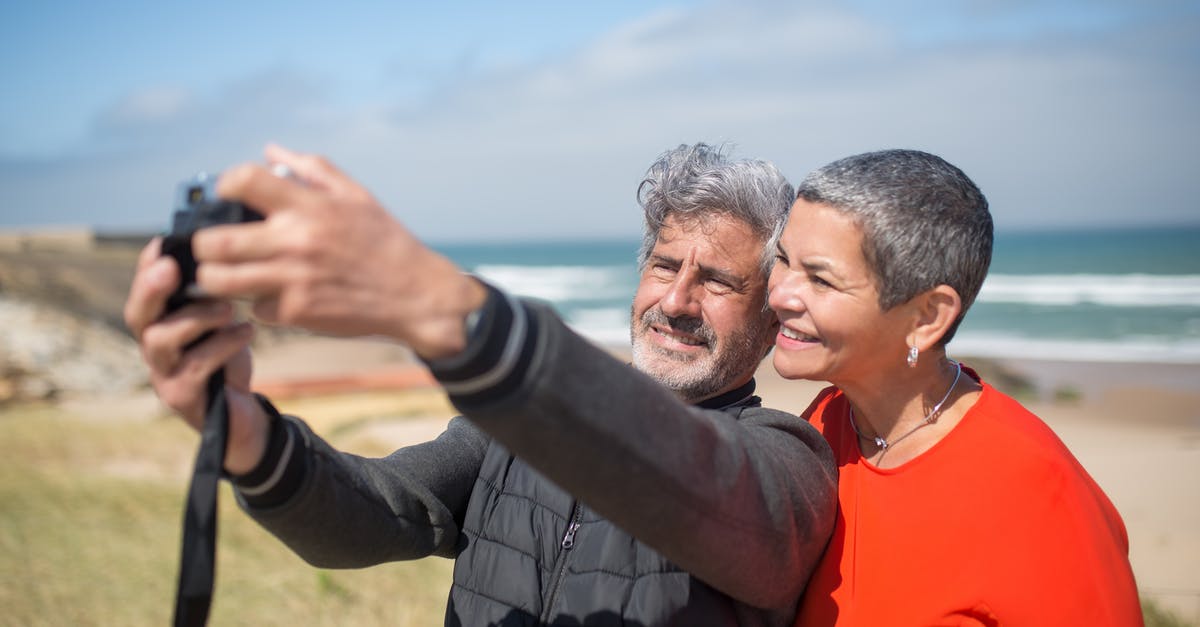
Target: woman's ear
(935, 311)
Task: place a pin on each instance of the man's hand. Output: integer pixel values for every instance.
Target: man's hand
(179, 373)
(330, 259)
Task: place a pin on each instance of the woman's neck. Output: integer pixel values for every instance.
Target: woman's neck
(911, 408)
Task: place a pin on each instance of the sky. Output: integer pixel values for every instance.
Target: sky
(475, 120)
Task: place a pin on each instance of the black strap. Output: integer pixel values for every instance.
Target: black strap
(198, 560)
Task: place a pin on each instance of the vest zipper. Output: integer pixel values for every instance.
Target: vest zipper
(568, 540)
(560, 562)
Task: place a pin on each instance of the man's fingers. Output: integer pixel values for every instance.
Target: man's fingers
(232, 243)
(244, 280)
(256, 187)
(311, 169)
(182, 389)
(164, 343)
(148, 293)
(206, 357)
(316, 171)
(150, 252)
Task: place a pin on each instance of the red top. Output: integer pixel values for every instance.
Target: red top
(996, 524)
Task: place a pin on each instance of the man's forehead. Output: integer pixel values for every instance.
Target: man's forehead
(717, 227)
(723, 238)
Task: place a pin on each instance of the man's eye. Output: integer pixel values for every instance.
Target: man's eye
(719, 286)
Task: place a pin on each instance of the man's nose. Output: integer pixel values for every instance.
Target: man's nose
(683, 296)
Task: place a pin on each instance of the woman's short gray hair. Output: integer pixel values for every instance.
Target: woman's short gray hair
(695, 181)
(924, 222)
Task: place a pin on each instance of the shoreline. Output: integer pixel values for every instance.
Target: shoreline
(298, 359)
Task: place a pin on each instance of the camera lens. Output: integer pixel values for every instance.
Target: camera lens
(195, 194)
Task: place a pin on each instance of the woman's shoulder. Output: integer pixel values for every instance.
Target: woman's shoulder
(1002, 425)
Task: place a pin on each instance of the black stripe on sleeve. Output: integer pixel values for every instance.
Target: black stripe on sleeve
(498, 352)
(281, 470)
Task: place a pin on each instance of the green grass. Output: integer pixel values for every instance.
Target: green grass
(1157, 616)
(90, 517)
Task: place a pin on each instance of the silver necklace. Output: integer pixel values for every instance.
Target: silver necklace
(929, 418)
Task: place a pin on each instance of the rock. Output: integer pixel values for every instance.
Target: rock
(50, 353)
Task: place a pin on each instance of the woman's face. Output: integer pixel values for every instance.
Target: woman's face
(827, 301)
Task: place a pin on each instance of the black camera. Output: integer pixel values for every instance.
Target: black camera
(197, 207)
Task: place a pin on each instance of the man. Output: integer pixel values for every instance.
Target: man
(576, 490)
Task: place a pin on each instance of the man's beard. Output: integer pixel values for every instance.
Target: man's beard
(696, 378)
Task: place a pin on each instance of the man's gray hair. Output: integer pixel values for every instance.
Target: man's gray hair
(924, 222)
(692, 182)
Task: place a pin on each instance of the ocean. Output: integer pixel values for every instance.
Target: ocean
(1099, 296)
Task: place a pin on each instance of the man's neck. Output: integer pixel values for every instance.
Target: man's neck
(728, 397)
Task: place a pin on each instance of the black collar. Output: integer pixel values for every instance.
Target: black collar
(743, 395)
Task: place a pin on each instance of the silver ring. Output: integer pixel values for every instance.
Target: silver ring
(283, 171)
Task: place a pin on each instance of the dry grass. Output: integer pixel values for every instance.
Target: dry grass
(90, 524)
(91, 511)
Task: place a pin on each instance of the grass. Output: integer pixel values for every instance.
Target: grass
(90, 528)
(1157, 616)
(90, 525)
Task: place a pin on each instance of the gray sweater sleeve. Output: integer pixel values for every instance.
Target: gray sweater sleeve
(338, 510)
(746, 505)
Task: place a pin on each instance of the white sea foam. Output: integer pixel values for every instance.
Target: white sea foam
(1112, 290)
(595, 299)
(559, 284)
(607, 326)
(1131, 349)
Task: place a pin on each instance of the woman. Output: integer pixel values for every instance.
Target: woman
(957, 505)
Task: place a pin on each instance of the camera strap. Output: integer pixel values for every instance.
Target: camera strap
(198, 560)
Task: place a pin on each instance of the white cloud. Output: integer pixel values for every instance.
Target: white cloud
(1056, 128)
(152, 105)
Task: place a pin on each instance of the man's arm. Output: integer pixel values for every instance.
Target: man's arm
(334, 509)
(338, 510)
(745, 505)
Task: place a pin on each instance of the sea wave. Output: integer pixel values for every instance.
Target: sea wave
(609, 326)
(1112, 290)
(559, 284)
(1133, 349)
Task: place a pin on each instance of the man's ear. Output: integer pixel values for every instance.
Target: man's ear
(934, 312)
(769, 333)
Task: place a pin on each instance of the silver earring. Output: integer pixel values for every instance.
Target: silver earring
(912, 356)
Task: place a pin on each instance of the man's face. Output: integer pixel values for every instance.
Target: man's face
(699, 325)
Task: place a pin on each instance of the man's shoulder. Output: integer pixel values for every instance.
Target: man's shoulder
(783, 422)
(761, 412)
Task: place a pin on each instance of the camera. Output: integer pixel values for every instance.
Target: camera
(196, 207)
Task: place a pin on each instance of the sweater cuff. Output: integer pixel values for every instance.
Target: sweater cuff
(281, 470)
(500, 345)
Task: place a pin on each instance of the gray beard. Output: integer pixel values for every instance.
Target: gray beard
(695, 379)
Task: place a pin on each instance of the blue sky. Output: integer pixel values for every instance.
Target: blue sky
(479, 120)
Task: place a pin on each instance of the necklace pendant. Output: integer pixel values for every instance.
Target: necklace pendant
(881, 443)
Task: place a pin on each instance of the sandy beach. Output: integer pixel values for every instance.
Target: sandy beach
(1135, 427)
